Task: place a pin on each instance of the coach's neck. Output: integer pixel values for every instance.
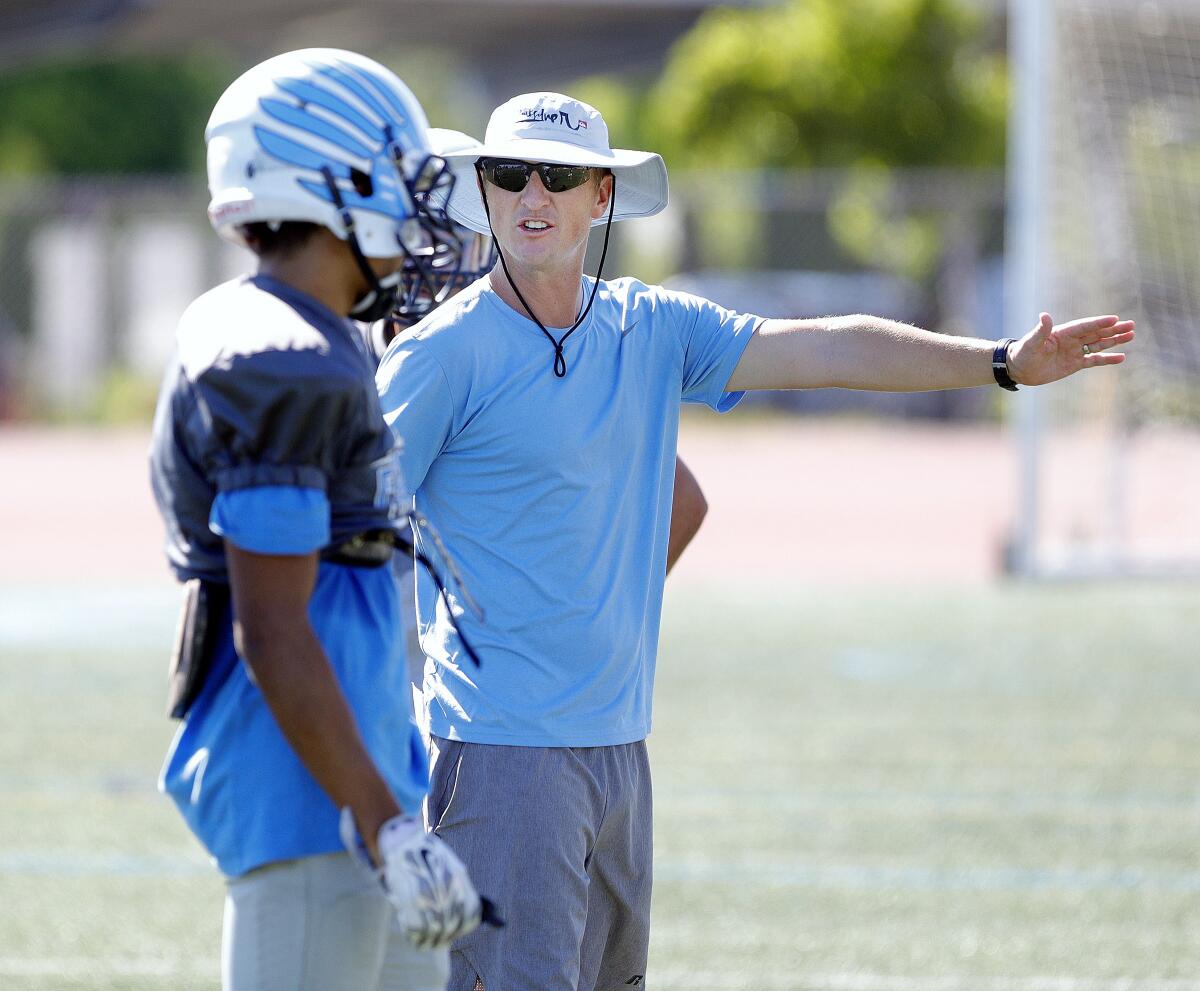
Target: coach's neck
(553, 293)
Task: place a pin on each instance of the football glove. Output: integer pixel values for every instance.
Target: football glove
(425, 882)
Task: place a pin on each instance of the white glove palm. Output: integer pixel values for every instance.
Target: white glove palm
(423, 879)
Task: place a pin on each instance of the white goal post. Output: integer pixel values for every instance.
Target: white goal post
(1104, 216)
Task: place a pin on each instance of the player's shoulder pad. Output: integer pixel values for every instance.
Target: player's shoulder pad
(275, 378)
(239, 320)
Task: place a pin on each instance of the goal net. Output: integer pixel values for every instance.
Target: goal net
(1105, 218)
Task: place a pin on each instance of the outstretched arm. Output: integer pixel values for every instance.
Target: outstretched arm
(862, 352)
(688, 509)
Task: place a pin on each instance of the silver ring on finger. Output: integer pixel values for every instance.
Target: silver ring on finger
(1087, 350)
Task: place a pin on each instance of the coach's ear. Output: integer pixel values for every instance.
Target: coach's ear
(604, 191)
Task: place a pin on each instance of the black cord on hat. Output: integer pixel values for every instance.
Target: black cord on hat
(560, 360)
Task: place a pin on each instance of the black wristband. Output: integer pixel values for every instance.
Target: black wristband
(1000, 365)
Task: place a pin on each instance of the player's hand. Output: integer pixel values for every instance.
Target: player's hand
(1049, 353)
(425, 882)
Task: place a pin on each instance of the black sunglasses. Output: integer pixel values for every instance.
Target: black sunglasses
(514, 176)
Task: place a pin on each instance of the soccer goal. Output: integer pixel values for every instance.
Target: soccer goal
(1104, 204)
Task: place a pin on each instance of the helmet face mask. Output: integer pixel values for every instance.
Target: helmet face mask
(454, 257)
(332, 138)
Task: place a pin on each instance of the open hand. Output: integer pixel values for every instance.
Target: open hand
(1049, 353)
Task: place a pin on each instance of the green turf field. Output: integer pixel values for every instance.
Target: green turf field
(976, 789)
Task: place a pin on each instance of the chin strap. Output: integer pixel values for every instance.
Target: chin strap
(560, 361)
(380, 298)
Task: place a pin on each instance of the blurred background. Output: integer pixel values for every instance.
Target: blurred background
(956, 163)
(927, 699)
(852, 163)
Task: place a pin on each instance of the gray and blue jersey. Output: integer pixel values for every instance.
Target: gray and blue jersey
(269, 390)
(269, 433)
(554, 497)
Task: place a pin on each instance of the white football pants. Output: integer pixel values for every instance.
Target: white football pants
(319, 924)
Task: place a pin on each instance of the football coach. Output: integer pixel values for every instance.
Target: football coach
(538, 412)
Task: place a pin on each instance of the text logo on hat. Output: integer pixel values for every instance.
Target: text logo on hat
(536, 115)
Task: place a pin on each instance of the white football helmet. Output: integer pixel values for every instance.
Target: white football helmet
(332, 138)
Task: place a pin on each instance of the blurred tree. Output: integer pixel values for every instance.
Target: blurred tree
(863, 85)
(833, 83)
(147, 115)
(134, 115)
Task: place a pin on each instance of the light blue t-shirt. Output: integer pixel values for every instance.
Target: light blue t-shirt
(554, 497)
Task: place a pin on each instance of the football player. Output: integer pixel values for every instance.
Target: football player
(277, 479)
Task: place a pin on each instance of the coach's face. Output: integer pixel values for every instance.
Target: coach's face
(539, 229)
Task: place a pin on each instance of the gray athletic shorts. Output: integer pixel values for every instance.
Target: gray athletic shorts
(561, 839)
(318, 924)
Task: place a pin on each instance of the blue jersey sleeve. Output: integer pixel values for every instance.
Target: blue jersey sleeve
(417, 405)
(274, 436)
(713, 340)
(272, 519)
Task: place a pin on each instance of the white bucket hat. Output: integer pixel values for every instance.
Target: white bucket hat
(550, 127)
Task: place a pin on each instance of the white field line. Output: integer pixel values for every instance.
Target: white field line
(37, 863)
(85, 967)
(1009, 804)
(716, 981)
(157, 967)
(777, 873)
(768, 872)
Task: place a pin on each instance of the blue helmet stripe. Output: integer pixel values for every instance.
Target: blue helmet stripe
(349, 197)
(317, 126)
(343, 78)
(335, 104)
(399, 111)
(287, 150)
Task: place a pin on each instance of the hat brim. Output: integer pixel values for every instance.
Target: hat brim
(641, 177)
